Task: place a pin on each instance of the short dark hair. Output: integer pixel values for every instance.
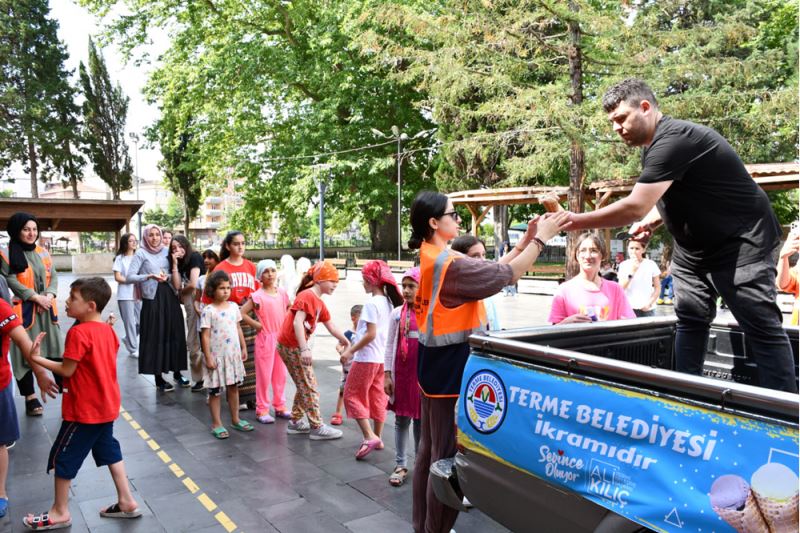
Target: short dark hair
(356, 310)
(94, 289)
(213, 281)
(631, 91)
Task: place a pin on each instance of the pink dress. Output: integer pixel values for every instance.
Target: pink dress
(401, 359)
(270, 310)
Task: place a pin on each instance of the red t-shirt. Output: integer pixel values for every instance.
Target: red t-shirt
(243, 281)
(315, 311)
(8, 321)
(91, 394)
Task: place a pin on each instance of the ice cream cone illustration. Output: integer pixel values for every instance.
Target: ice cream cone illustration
(550, 202)
(775, 489)
(732, 499)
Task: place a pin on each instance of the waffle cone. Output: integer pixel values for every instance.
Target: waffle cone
(781, 516)
(550, 203)
(748, 520)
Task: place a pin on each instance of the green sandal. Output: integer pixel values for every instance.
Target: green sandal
(220, 432)
(242, 425)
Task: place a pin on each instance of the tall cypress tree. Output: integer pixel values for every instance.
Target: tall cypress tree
(105, 109)
(35, 94)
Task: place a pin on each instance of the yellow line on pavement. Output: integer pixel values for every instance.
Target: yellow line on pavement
(226, 522)
(188, 482)
(207, 502)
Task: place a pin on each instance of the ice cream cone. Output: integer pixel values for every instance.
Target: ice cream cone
(781, 516)
(775, 489)
(747, 520)
(550, 203)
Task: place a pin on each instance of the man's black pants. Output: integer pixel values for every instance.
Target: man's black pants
(750, 293)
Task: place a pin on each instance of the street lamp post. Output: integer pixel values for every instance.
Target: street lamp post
(322, 186)
(135, 138)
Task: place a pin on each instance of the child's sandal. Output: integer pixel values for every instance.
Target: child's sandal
(220, 432)
(336, 419)
(398, 477)
(243, 425)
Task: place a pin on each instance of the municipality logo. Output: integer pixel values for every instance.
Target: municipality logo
(485, 401)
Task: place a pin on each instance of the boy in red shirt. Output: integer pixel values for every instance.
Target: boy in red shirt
(89, 407)
(11, 329)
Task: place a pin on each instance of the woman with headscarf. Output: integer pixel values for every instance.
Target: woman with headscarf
(33, 280)
(287, 278)
(162, 339)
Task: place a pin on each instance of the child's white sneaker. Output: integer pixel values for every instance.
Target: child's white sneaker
(324, 433)
(296, 428)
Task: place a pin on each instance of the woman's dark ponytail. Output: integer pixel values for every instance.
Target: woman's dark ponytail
(426, 205)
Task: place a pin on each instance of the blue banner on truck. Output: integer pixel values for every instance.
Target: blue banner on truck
(666, 465)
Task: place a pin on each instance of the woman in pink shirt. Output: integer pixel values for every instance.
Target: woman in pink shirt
(588, 297)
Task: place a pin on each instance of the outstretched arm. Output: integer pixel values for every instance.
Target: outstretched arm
(639, 204)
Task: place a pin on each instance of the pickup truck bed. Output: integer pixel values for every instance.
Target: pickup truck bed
(626, 363)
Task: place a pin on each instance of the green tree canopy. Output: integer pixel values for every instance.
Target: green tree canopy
(105, 109)
(271, 84)
(37, 114)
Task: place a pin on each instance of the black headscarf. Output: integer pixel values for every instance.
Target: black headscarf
(16, 248)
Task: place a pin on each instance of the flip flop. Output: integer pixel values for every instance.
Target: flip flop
(286, 415)
(398, 477)
(114, 511)
(366, 447)
(3, 507)
(42, 522)
(33, 407)
(242, 425)
(220, 432)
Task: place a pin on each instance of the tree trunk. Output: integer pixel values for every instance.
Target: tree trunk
(500, 216)
(577, 168)
(74, 182)
(186, 218)
(383, 233)
(34, 163)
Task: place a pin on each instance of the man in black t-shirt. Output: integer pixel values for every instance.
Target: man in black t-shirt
(725, 231)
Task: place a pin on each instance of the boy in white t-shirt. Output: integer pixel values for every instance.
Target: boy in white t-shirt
(364, 397)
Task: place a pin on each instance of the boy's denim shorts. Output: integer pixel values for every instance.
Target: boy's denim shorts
(74, 442)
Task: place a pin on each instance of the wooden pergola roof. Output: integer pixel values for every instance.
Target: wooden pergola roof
(770, 176)
(72, 215)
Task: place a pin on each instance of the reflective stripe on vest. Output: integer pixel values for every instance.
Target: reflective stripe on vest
(28, 279)
(430, 329)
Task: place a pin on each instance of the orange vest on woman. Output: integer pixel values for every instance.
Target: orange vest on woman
(27, 278)
(439, 325)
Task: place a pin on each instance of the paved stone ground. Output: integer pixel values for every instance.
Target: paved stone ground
(185, 480)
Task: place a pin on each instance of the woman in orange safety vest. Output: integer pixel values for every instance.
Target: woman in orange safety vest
(32, 278)
(449, 310)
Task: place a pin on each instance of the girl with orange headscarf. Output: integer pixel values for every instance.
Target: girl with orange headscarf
(307, 310)
(364, 397)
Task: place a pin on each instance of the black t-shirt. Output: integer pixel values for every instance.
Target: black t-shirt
(195, 261)
(716, 212)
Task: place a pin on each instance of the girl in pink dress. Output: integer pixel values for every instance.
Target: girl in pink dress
(269, 304)
(400, 373)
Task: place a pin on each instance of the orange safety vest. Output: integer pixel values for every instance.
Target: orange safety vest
(23, 309)
(439, 325)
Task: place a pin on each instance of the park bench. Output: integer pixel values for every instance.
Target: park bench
(340, 264)
(400, 266)
(544, 272)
